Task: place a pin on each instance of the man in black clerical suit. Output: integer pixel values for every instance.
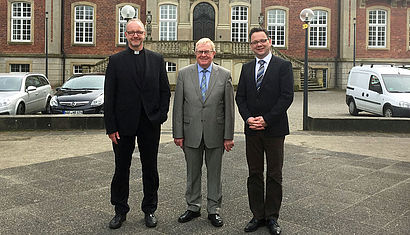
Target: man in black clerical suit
(136, 103)
(265, 92)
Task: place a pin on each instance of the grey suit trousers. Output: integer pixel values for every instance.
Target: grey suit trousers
(213, 161)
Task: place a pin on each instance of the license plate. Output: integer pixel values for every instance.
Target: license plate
(73, 112)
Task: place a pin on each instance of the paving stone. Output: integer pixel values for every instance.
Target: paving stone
(323, 192)
(399, 192)
(373, 183)
(338, 225)
(400, 225)
(375, 211)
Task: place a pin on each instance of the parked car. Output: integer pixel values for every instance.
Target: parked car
(382, 90)
(24, 93)
(81, 94)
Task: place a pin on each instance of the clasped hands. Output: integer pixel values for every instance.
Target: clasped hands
(257, 123)
(228, 144)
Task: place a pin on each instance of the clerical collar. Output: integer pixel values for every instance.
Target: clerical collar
(136, 52)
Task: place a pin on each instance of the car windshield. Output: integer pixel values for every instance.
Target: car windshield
(397, 83)
(10, 83)
(88, 82)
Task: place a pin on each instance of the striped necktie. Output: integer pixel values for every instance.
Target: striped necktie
(203, 83)
(259, 75)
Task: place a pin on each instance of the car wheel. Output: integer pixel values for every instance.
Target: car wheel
(48, 109)
(21, 109)
(352, 108)
(388, 112)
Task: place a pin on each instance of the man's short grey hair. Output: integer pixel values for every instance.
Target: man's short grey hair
(205, 41)
(138, 21)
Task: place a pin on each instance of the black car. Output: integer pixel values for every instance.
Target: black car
(81, 94)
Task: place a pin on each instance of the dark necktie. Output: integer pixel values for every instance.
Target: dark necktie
(203, 83)
(259, 75)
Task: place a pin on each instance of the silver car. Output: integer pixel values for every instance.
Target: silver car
(24, 93)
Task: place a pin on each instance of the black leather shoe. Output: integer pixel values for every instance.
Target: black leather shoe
(150, 220)
(216, 220)
(254, 224)
(188, 216)
(116, 222)
(273, 227)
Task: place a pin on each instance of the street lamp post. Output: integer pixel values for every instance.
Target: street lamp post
(306, 15)
(127, 12)
(46, 39)
(354, 41)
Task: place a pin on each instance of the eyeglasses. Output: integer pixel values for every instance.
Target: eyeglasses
(259, 41)
(203, 52)
(132, 33)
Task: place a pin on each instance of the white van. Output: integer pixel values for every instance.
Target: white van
(379, 89)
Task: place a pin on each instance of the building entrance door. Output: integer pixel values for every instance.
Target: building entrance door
(204, 21)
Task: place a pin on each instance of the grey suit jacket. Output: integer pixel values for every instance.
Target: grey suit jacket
(212, 119)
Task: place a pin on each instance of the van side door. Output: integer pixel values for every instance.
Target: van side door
(375, 95)
(359, 82)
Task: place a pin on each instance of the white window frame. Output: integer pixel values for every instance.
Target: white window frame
(168, 24)
(239, 23)
(81, 68)
(377, 36)
(21, 23)
(171, 67)
(276, 22)
(19, 67)
(122, 23)
(83, 23)
(77, 69)
(318, 29)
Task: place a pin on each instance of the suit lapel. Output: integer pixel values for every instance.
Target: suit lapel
(195, 80)
(252, 75)
(212, 80)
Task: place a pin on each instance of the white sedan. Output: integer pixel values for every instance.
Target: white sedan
(24, 93)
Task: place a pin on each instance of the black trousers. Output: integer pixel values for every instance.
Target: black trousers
(148, 135)
(264, 206)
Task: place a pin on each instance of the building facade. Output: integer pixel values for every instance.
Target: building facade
(82, 33)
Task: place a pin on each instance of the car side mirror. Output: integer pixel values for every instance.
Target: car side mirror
(31, 88)
(58, 88)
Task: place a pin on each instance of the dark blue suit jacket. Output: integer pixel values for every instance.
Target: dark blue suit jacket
(126, 95)
(273, 98)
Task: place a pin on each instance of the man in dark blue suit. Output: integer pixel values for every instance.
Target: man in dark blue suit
(136, 103)
(265, 92)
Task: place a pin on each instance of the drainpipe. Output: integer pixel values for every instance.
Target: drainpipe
(62, 39)
(338, 44)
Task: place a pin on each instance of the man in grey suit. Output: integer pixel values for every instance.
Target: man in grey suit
(203, 122)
